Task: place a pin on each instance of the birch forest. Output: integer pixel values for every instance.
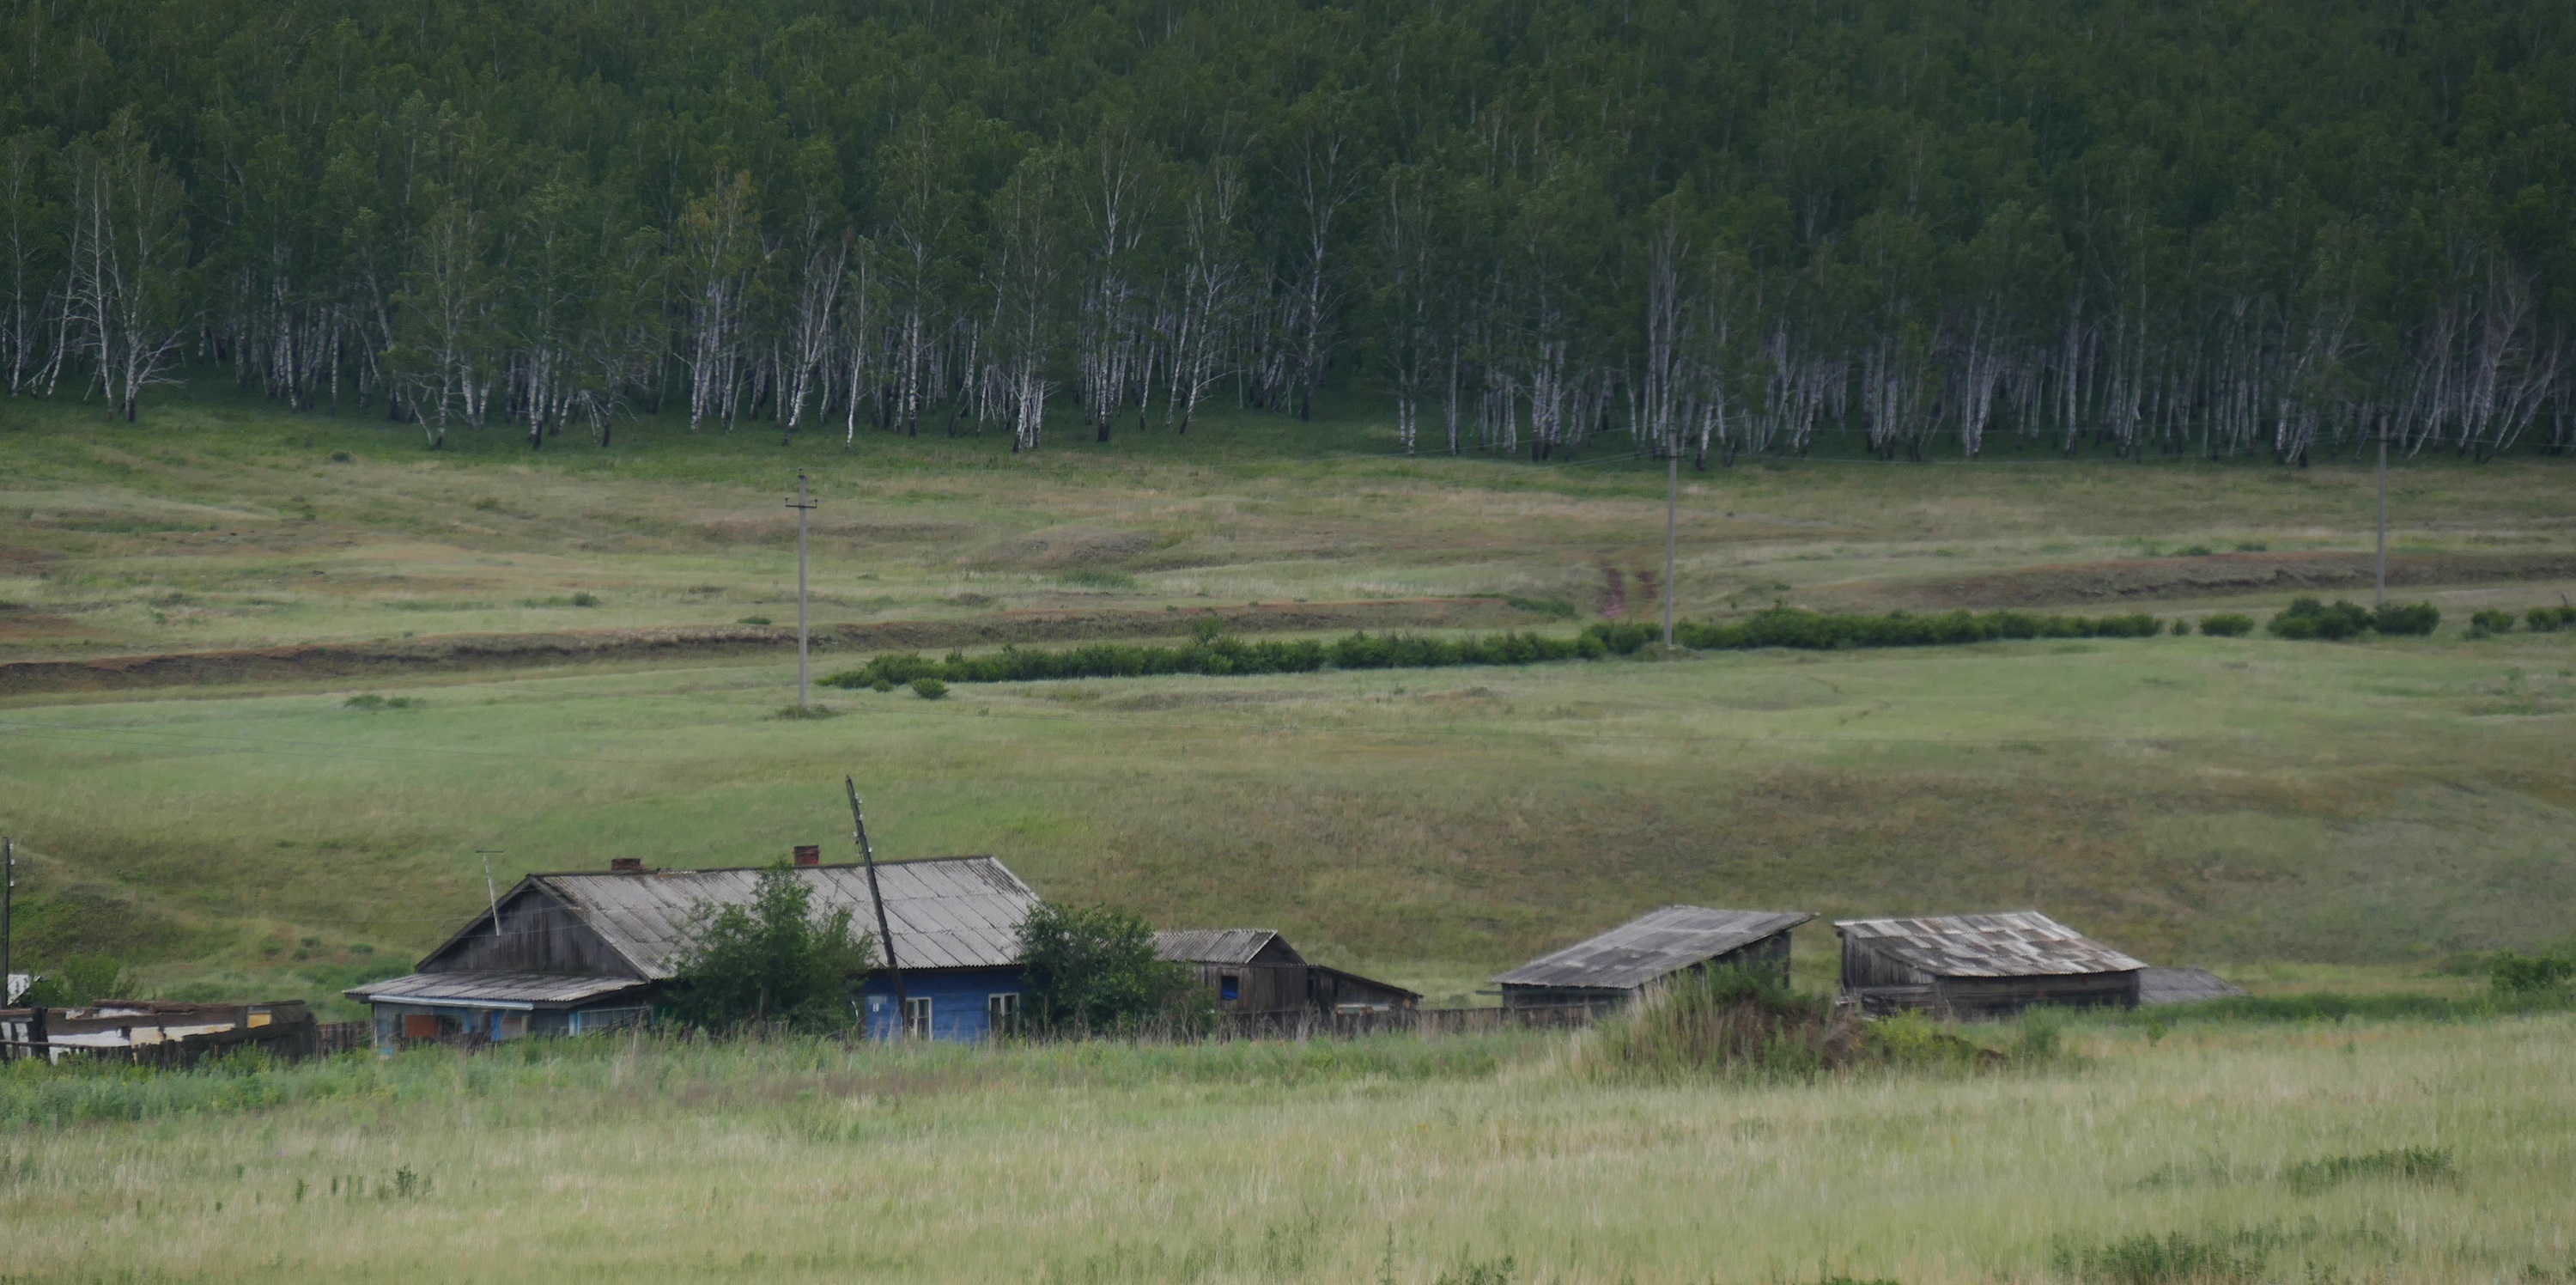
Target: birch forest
(1718, 228)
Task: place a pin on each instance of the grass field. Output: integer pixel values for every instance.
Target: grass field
(2245, 802)
(2394, 1152)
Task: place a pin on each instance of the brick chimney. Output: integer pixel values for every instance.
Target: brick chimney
(626, 865)
(809, 854)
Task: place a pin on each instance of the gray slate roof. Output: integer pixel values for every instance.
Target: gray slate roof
(954, 912)
(1215, 945)
(2182, 986)
(492, 990)
(2016, 943)
(1652, 945)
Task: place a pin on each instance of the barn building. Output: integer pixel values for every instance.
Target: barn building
(562, 954)
(1255, 970)
(1981, 966)
(1609, 970)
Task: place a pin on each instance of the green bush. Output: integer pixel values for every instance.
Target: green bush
(2307, 619)
(79, 980)
(1092, 969)
(2490, 622)
(2517, 974)
(2549, 620)
(2417, 621)
(1212, 651)
(770, 960)
(2227, 625)
(929, 689)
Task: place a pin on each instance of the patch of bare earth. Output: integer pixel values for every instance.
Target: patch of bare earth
(457, 652)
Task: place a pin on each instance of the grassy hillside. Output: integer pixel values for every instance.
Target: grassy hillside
(2249, 801)
(2397, 1152)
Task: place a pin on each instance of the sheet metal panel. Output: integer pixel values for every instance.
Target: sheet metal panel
(1653, 945)
(1213, 945)
(491, 988)
(2018, 943)
(2183, 986)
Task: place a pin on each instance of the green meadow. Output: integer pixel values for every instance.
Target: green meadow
(2361, 821)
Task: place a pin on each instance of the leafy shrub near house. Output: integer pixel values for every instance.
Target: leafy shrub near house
(769, 961)
(2490, 622)
(2549, 620)
(2307, 619)
(2227, 625)
(1093, 970)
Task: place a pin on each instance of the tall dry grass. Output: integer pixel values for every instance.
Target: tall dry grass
(2237, 1148)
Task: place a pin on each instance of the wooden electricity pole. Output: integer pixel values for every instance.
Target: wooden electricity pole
(8, 895)
(885, 934)
(803, 506)
(489, 893)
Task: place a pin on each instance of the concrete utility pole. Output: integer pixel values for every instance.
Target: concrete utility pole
(803, 506)
(1672, 501)
(2382, 599)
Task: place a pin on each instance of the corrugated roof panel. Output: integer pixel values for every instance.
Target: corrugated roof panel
(1212, 945)
(2018, 943)
(1653, 945)
(959, 912)
(496, 988)
(2183, 986)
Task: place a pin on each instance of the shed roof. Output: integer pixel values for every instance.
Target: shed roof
(2016, 943)
(1218, 945)
(492, 990)
(949, 912)
(1652, 945)
(2183, 986)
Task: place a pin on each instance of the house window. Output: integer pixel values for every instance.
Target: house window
(916, 1017)
(420, 1026)
(1004, 1009)
(1229, 987)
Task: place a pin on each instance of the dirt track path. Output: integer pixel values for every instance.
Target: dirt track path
(459, 652)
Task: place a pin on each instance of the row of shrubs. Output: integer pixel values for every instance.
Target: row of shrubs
(1221, 654)
(2540, 620)
(2308, 619)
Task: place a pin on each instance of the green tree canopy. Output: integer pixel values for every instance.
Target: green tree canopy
(771, 959)
(1093, 969)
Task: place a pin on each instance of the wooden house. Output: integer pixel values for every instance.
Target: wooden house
(567, 953)
(1980, 966)
(1610, 969)
(1255, 970)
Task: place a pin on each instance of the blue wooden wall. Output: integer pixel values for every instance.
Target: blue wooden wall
(960, 1001)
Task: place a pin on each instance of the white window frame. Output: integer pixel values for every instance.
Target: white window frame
(916, 1017)
(1002, 1011)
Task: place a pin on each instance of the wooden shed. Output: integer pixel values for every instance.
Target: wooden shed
(1980, 966)
(1610, 969)
(1255, 970)
(573, 952)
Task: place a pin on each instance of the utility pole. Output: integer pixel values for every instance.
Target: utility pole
(885, 935)
(803, 506)
(8, 897)
(488, 892)
(1672, 501)
(2381, 600)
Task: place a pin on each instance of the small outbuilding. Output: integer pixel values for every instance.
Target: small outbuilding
(563, 954)
(2182, 986)
(1980, 966)
(1608, 970)
(1255, 970)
